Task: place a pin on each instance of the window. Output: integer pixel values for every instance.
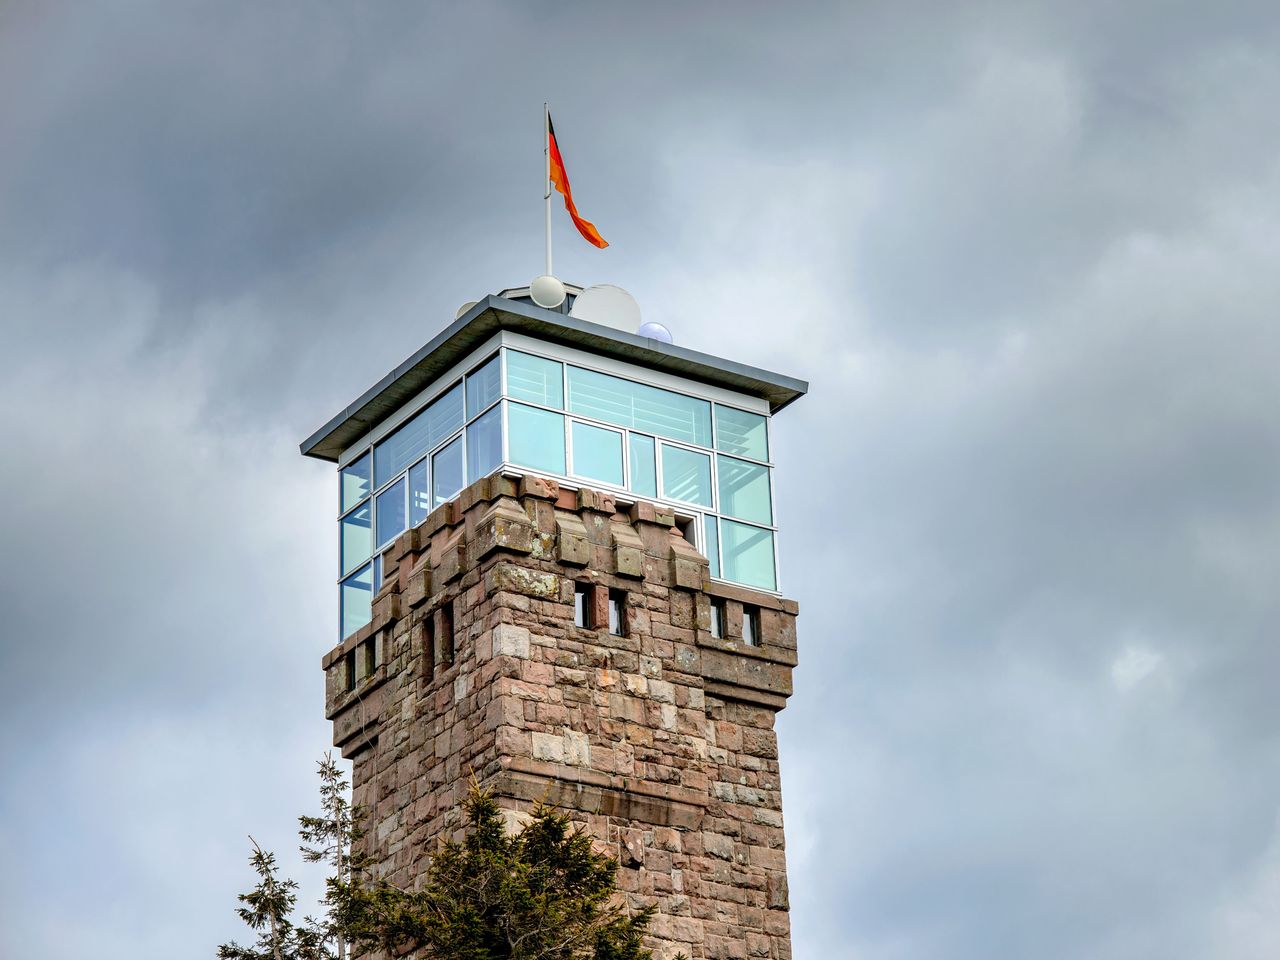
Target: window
(686, 475)
(444, 635)
(483, 386)
(751, 626)
(484, 445)
(644, 465)
(535, 379)
(743, 433)
(618, 613)
(536, 438)
(419, 493)
(597, 453)
(356, 600)
(717, 618)
(420, 435)
(446, 472)
(582, 605)
(748, 555)
(357, 537)
(350, 668)
(369, 652)
(429, 647)
(548, 416)
(391, 512)
(744, 490)
(630, 404)
(354, 483)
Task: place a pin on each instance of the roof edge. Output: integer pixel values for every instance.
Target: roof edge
(495, 313)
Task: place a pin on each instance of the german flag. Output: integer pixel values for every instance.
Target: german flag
(560, 179)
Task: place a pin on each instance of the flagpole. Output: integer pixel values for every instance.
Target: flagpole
(546, 179)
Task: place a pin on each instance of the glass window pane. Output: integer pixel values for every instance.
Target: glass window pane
(686, 475)
(391, 512)
(484, 445)
(419, 435)
(629, 404)
(536, 438)
(644, 465)
(357, 537)
(535, 379)
(738, 431)
(597, 453)
(748, 555)
(356, 600)
(446, 470)
(712, 544)
(744, 490)
(419, 493)
(483, 386)
(354, 484)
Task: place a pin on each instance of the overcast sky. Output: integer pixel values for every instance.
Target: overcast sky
(1026, 255)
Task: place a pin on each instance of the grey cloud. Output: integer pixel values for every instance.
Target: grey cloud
(1023, 253)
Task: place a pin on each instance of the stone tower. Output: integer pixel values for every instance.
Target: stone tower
(592, 619)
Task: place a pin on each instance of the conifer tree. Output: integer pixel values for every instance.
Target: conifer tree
(330, 838)
(267, 909)
(541, 893)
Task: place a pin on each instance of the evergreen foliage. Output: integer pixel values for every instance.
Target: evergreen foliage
(540, 893)
(268, 907)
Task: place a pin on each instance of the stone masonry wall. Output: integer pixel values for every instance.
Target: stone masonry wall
(660, 740)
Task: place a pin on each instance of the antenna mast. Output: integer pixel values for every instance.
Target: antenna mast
(546, 177)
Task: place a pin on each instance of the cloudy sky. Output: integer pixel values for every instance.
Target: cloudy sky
(1026, 255)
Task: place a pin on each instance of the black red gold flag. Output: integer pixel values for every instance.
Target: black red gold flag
(560, 179)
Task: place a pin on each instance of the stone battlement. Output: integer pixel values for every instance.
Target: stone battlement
(658, 735)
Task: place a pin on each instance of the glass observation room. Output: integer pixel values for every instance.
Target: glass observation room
(566, 409)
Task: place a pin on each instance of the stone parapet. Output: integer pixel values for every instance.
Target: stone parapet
(660, 738)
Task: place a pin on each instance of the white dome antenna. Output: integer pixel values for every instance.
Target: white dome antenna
(655, 331)
(547, 291)
(607, 305)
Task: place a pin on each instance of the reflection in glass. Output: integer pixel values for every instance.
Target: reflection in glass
(748, 555)
(535, 438)
(354, 483)
(356, 600)
(597, 453)
(644, 467)
(357, 538)
(446, 471)
(419, 493)
(639, 405)
(483, 386)
(391, 512)
(744, 490)
(712, 539)
(535, 379)
(743, 433)
(419, 435)
(484, 445)
(686, 475)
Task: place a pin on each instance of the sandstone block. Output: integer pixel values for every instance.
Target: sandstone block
(510, 640)
(549, 747)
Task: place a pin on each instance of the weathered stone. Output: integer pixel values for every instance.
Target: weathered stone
(510, 641)
(660, 741)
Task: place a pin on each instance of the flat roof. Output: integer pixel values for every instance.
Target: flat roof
(496, 313)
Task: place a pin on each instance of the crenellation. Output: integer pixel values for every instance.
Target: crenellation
(660, 740)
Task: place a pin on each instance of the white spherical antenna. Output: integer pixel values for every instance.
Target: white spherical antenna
(464, 308)
(655, 331)
(547, 292)
(608, 305)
